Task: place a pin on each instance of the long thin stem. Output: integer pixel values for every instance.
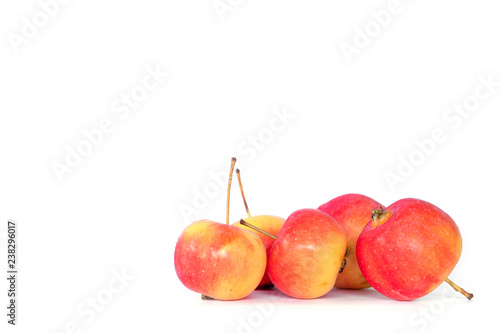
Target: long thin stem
(459, 289)
(242, 193)
(251, 226)
(233, 162)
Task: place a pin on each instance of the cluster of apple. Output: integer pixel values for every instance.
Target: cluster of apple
(404, 250)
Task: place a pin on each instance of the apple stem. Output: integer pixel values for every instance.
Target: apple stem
(233, 162)
(242, 193)
(251, 226)
(459, 289)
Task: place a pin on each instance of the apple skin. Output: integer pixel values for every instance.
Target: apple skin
(412, 252)
(220, 261)
(352, 212)
(271, 224)
(306, 256)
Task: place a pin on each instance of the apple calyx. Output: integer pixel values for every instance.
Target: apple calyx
(344, 262)
(380, 216)
(207, 298)
(251, 226)
(342, 266)
(266, 286)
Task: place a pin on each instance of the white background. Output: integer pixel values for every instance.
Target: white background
(119, 209)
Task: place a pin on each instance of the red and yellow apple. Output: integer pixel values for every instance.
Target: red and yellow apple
(220, 261)
(268, 223)
(271, 224)
(352, 212)
(306, 257)
(409, 249)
